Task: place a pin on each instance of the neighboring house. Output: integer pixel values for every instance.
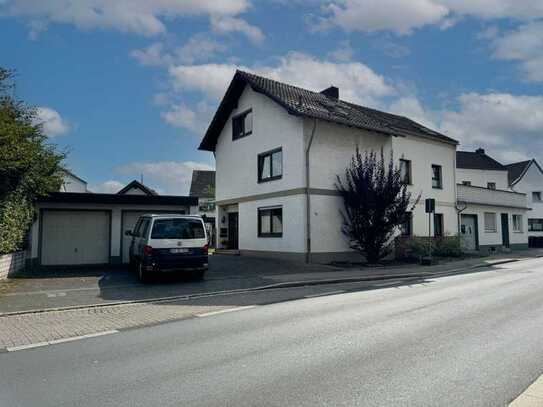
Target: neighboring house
(137, 188)
(278, 150)
(202, 186)
(492, 216)
(527, 177)
(72, 183)
(81, 229)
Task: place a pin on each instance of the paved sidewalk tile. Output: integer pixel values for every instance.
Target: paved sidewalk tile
(18, 330)
(532, 396)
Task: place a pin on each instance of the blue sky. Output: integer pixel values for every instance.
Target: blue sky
(129, 86)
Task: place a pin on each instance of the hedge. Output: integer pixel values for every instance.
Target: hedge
(16, 215)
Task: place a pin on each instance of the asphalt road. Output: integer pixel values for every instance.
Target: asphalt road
(466, 340)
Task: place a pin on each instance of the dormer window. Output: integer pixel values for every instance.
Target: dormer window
(242, 124)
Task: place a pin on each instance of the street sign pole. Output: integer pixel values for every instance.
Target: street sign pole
(430, 209)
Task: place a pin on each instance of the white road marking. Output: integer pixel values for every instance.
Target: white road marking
(223, 311)
(57, 341)
(323, 294)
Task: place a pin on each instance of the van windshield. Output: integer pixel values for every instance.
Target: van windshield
(178, 229)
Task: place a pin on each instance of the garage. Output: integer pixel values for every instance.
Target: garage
(75, 237)
(78, 228)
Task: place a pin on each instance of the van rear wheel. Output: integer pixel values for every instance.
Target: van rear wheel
(198, 275)
(143, 275)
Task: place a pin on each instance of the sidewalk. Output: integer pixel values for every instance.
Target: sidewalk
(227, 274)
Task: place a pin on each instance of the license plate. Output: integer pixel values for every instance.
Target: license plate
(175, 251)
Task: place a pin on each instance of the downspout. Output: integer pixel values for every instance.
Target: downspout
(307, 194)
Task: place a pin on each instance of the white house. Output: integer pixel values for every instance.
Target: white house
(202, 187)
(527, 177)
(72, 183)
(492, 216)
(278, 150)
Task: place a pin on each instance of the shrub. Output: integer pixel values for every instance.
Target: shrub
(16, 215)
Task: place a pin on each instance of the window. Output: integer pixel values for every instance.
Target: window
(179, 228)
(535, 225)
(270, 222)
(490, 222)
(438, 224)
(436, 177)
(491, 185)
(144, 227)
(466, 183)
(536, 196)
(242, 125)
(405, 171)
(517, 223)
(270, 165)
(406, 228)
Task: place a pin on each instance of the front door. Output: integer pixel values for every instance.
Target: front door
(505, 229)
(468, 232)
(233, 230)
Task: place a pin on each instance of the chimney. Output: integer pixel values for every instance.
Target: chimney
(332, 92)
(480, 150)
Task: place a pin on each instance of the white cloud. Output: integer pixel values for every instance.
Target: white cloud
(194, 120)
(198, 48)
(107, 187)
(411, 107)
(404, 16)
(343, 53)
(153, 55)
(170, 177)
(357, 82)
(52, 123)
(229, 24)
(399, 16)
(525, 45)
(143, 17)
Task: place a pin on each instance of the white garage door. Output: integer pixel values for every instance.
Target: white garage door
(75, 237)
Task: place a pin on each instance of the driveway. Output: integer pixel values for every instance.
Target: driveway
(80, 287)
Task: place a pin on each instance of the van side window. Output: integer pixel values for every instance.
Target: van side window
(144, 227)
(136, 228)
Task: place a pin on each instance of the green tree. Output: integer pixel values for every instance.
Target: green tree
(29, 165)
(376, 202)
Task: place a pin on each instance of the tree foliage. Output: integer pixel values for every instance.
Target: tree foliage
(29, 165)
(376, 202)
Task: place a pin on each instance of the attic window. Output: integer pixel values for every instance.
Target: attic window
(242, 124)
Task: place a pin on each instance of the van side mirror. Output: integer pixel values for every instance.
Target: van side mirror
(128, 233)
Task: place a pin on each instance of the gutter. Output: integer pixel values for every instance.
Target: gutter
(307, 194)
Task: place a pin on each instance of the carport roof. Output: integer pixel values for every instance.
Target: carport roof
(90, 198)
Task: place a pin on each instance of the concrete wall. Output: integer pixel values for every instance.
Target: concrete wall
(116, 219)
(11, 264)
(236, 161)
(532, 182)
(481, 178)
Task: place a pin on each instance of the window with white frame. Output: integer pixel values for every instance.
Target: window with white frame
(437, 177)
(490, 222)
(535, 225)
(536, 196)
(517, 223)
(491, 185)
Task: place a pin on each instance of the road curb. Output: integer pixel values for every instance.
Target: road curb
(289, 284)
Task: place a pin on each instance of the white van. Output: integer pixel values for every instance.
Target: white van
(168, 243)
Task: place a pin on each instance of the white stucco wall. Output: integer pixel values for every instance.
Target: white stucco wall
(495, 238)
(532, 182)
(134, 191)
(481, 178)
(72, 184)
(116, 218)
(236, 161)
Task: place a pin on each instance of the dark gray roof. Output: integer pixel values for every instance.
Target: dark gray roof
(139, 185)
(90, 198)
(477, 161)
(202, 184)
(517, 170)
(303, 102)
